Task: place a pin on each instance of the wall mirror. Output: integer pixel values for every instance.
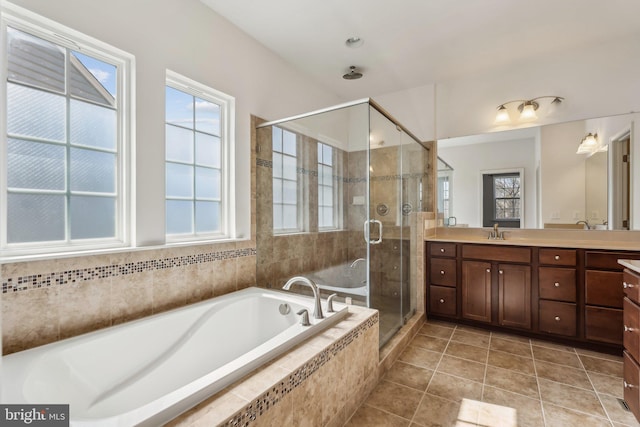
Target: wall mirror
(579, 174)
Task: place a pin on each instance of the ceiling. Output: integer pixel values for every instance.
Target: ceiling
(412, 43)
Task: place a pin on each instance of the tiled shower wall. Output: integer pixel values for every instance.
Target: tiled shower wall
(46, 301)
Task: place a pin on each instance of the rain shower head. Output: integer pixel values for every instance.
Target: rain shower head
(353, 74)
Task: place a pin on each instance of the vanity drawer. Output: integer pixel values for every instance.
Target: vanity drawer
(604, 288)
(442, 272)
(603, 324)
(566, 257)
(607, 260)
(631, 285)
(442, 300)
(497, 253)
(631, 374)
(557, 283)
(631, 332)
(442, 249)
(557, 317)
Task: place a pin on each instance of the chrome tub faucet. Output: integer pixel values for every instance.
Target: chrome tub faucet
(317, 309)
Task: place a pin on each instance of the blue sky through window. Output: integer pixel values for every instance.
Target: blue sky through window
(105, 73)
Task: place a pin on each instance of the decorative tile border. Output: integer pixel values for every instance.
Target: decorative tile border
(44, 280)
(260, 405)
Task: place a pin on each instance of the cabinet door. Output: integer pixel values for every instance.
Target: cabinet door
(514, 284)
(476, 291)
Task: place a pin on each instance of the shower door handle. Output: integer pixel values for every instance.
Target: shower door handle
(366, 232)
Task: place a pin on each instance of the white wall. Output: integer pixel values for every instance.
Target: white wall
(468, 162)
(188, 38)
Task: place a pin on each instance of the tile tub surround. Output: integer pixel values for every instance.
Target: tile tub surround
(45, 301)
(458, 375)
(319, 383)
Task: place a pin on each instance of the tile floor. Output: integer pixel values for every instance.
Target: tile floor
(454, 375)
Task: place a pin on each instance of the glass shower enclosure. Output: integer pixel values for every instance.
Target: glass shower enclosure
(337, 195)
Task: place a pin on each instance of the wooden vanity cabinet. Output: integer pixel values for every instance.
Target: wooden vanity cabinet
(443, 279)
(631, 339)
(557, 291)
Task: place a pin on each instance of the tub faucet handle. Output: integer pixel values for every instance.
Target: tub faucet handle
(330, 303)
(304, 320)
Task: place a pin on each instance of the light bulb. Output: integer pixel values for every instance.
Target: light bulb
(502, 116)
(528, 111)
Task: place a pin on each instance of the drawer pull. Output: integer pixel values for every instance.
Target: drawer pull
(395, 267)
(557, 257)
(442, 272)
(627, 385)
(628, 329)
(488, 270)
(557, 285)
(557, 318)
(500, 271)
(441, 300)
(441, 250)
(627, 285)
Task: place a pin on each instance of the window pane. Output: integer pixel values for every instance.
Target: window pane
(289, 143)
(207, 217)
(35, 113)
(277, 216)
(179, 108)
(179, 216)
(277, 191)
(93, 217)
(34, 61)
(179, 180)
(327, 155)
(93, 171)
(289, 192)
(289, 165)
(92, 79)
(327, 178)
(327, 196)
(207, 183)
(326, 219)
(208, 150)
(179, 144)
(207, 117)
(35, 218)
(289, 217)
(277, 165)
(277, 138)
(92, 125)
(34, 165)
(319, 152)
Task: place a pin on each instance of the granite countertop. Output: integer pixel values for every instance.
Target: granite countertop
(582, 239)
(631, 264)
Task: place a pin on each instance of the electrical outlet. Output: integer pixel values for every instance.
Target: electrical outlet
(576, 214)
(595, 214)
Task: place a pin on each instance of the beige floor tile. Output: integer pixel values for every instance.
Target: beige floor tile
(437, 331)
(614, 357)
(509, 361)
(466, 351)
(512, 381)
(435, 411)
(395, 398)
(602, 366)
(462, 368)
(430, 343)
(477, 331)
(559, 357)
(556, 416)
(367, 416)
(476, 413)
(420, 357)
(616, 412)
(471, 338)
(553, 345)
(454, 388)
(510, 337)
(512, 347)
(409, 375)
(529, 410)
(570, 397)
(563, 374)
(607, 384)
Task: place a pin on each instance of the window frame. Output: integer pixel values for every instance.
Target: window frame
(38, 26)
(489, 198)
(335, 186)
(227, 183)
(299, 185)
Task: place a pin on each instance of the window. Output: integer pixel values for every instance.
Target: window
(326, 187)
(502, 199)
(285, 182)
(65, 146)
(197, 158)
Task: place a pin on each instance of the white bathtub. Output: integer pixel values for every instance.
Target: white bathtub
(149, 371)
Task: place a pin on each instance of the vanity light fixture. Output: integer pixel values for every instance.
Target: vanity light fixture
(526, 107)
(590, 145)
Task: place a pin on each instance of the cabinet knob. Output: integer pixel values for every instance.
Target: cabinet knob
(442, 272)
(627, 385)
(500, 271)
(442, 250)
(488, 270)
(441, 300)
(557, 257)
(628, 329)
(556, 284)
(557, 318)
(627, 285)
(395, 267)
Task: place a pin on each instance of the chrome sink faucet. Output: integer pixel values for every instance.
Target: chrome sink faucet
(317, 309)
(496, 234)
